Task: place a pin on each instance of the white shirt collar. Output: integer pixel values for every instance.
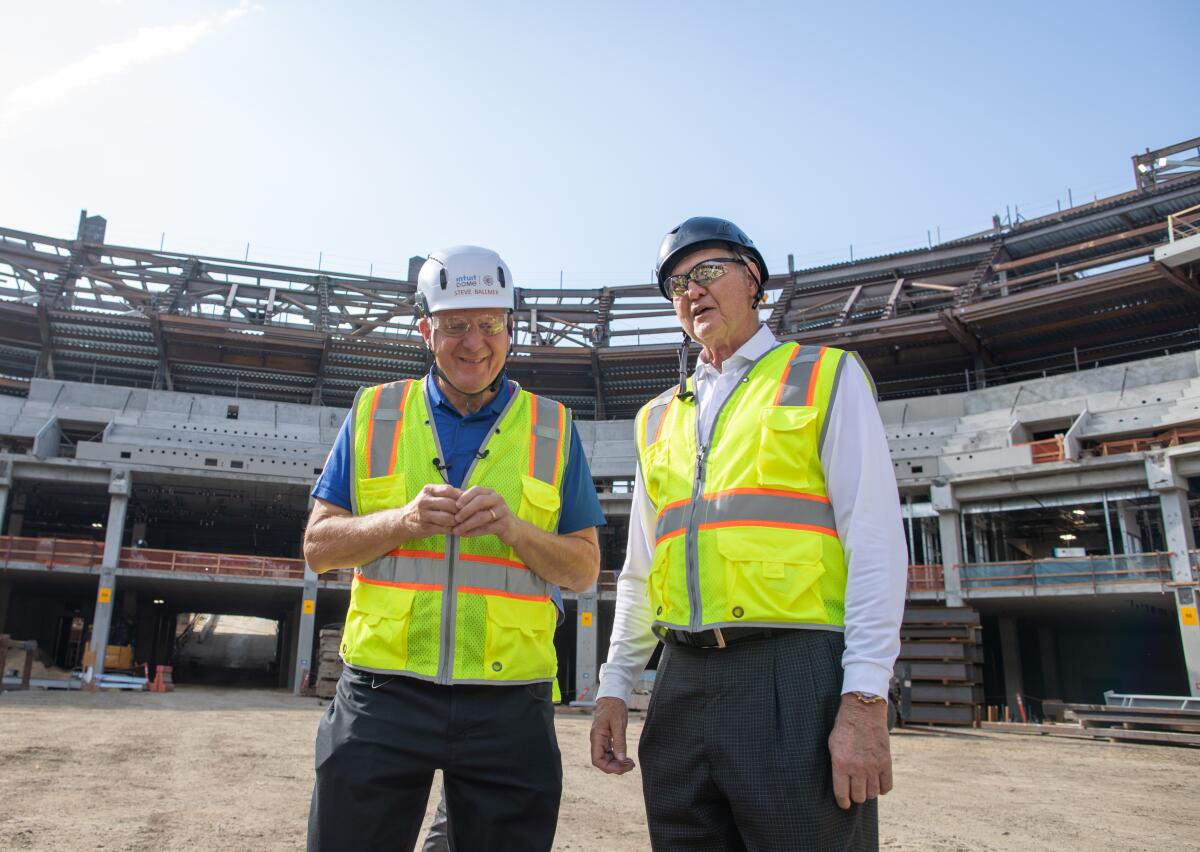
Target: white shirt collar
(759, 344)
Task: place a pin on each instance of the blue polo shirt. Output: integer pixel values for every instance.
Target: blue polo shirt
(460, 438)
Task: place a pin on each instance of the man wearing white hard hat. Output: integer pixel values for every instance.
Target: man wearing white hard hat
(460, 500)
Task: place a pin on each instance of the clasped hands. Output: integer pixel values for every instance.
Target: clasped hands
(446, 510)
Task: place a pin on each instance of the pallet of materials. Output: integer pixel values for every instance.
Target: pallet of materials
(329, 661)
(939, 666)
(1145, 724)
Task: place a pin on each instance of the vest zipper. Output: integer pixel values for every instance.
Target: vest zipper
(692, 537)
(692, 531)
(449, 614)
(445, 674)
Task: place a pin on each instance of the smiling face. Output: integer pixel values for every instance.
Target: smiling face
(720, 315)
(472, 361)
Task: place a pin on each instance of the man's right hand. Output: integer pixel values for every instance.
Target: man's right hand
(608, 737)
(431, 512)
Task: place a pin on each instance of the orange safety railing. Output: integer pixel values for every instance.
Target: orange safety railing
(1048, 450)
(51, 552)
(926, 578)
(62, 552)
(225, 564)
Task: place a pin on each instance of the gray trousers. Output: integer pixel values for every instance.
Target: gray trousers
(735, 752)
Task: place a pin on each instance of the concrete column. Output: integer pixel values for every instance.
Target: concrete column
(1131, 533)
(586, 626)
(304, 638)
(1010, 656)
(1177, 529)
(950, 535)
(119, 488)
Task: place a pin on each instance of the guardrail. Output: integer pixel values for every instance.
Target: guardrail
(225, 564)
(1185, 223)
(51, 552)
(1081, 571)
(926, 578)
(85, 553)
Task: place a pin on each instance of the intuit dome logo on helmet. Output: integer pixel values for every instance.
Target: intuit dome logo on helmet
(475, 285)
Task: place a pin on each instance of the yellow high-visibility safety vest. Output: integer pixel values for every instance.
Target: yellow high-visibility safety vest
(745, 534)
(448, 609)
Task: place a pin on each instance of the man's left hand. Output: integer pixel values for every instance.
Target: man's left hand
(481, 511)
(861, 754)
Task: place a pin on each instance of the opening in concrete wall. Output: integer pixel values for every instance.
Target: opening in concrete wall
(227, 650)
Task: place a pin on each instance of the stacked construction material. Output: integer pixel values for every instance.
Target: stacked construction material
(329, 661)
(1139, 724)
(941, 651)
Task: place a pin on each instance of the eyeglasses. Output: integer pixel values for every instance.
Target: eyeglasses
(703, 273)
(489, 325)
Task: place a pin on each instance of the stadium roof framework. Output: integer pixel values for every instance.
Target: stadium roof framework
(1040, 296)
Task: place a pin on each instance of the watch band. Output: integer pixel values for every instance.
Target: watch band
(867, 697)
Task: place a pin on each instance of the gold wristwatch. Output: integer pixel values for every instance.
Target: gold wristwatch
(867, 697)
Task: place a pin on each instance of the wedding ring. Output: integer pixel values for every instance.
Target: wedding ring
(493, 511)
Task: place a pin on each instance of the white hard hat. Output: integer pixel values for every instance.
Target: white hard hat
(462, 277)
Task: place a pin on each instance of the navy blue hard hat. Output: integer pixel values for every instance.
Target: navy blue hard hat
(701, 232)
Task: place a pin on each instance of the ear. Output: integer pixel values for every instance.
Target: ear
(426, 332)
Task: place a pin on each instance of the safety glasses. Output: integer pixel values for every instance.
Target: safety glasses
(489, 325)
(703, 273)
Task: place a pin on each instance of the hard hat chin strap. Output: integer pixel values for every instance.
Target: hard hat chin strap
(683, 393)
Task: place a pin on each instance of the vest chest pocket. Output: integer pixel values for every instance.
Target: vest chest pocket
(540, 503)
(787, 450)
(770, 575)
(381, 492)
(519, 643)
(376, 633)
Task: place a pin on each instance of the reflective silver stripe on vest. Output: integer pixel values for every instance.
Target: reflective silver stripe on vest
(794, 387)
(385, 423)
(547, 438)
(426, 571)
(654, 418)
(825, 418)
(469, 572)
(732, 506)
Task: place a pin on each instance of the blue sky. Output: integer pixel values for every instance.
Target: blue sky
(570, 138)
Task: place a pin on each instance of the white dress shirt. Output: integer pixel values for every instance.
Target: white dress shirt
(861, 487)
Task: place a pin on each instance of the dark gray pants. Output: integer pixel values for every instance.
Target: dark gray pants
(735, 752)
(382, 737)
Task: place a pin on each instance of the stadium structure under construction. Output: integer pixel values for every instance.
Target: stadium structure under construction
(164, 415)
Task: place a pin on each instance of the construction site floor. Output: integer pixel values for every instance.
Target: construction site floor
(207, 768)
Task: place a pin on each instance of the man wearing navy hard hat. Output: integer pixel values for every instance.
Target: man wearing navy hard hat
(766, 552)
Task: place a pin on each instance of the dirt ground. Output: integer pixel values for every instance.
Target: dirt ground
(207, 768)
